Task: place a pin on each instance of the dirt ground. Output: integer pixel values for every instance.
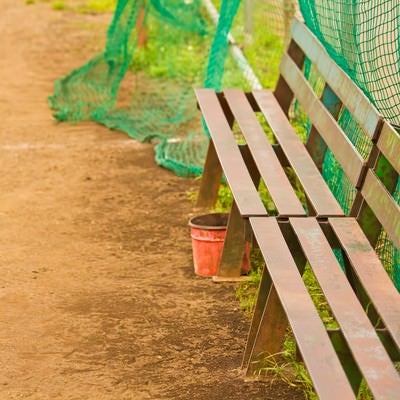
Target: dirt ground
(97, 295)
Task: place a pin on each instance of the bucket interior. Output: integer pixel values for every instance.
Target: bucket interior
(210, 221)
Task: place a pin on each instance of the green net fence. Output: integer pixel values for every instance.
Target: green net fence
(147, 90)
(362, 36)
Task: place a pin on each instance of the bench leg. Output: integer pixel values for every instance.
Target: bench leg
(270, 334)
(234, 246)
(238, 235)
(210, 180)
(269, 322)
(263, 290)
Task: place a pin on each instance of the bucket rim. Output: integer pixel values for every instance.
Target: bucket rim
(220, 215)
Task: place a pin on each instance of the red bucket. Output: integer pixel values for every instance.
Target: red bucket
(208, 233)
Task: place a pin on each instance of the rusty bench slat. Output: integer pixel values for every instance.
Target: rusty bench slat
(352, 97)
(389, 145)
(264, 156)
(367, 350)
(314, 185)
(344, 151)
(236, 173)
(383, 206)
(329, 379)
(370, 271)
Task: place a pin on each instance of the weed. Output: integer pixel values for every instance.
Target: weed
(284, 367)
(225, 199)
(246, 292)
(58, 5)
(97, 6)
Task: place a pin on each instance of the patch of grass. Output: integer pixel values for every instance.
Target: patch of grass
(225, 199)
(318, 298)
(58, 5)
(285, 368)
(98, 6)
(171, 54)
(85, 6)
(246, 292)
(265, 50)
(266, 46)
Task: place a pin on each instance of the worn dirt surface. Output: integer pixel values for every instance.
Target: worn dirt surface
(97, 295)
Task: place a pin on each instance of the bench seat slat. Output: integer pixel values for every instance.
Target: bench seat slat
(233, 165)
(344, 151)
(352, 97)
(317, 351)
(367, 349)
(314, 185)
(371, 273)
(383, 206)
(264, 156)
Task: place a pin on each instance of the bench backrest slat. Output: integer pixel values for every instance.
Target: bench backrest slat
(389, 145)
(315, 144)
(378, 207)
(344, 151)
(386, 210)
(352, 97)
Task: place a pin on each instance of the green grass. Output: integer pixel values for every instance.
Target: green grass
(58, 5)
(171, 55)
(85, 6)
(284, 367)
(99, 6)
(265, 50)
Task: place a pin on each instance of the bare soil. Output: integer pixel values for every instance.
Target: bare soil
(97, 295)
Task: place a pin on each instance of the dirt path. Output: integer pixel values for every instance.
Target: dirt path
(97, 295)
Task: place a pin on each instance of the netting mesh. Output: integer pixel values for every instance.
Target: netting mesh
(147, 91)
(362, 36)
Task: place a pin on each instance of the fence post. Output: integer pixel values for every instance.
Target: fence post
(141, 27)
(289, 9)
(248, 21)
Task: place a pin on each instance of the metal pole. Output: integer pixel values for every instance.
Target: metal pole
(248, 21)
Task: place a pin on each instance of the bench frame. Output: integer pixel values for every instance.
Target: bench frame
(294, 237)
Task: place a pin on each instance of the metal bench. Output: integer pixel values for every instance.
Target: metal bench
(362, 298)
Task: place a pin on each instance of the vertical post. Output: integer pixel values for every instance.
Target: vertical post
(211, 179)
(141, 27)
(347, 29)
(248, 21)
(289, 9)
(282, 92)
(233, 252)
